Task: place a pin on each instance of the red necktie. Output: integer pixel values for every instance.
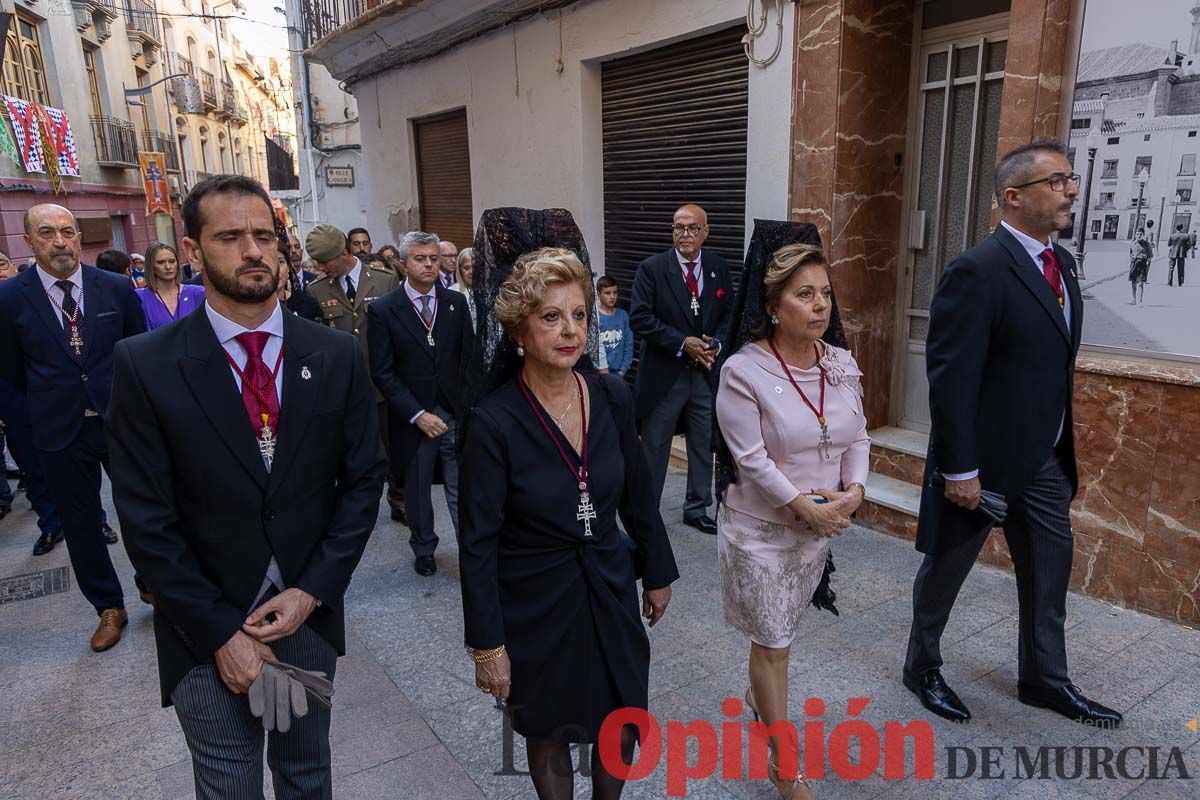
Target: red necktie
(258, 384)
(1052, 273)
(690, 279)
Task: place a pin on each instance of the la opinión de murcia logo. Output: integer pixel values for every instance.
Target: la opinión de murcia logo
(823, 751)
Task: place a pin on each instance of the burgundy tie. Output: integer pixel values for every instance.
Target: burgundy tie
(1052, 272)
(690, 278)
(258, 385)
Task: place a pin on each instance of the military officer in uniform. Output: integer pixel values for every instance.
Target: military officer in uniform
(345, 291)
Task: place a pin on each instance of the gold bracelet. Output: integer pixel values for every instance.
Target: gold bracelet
(487, 655)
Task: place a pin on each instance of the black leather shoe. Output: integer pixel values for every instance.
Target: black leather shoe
(702, 523)
(4, 511)
(398, 515)
(45, 543)
(1070, 702)
(930, 687)
(110, 536)
(425, 565)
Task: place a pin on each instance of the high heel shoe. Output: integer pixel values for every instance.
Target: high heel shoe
(749, 700)
(787, 788)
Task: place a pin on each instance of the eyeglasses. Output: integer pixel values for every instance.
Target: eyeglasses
(690, 230)
(1057, 182)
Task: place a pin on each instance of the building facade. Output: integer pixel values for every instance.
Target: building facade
(107, 65)
(879, 122)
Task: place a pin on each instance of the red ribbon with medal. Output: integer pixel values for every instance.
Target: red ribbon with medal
(586, 512)
(269, 424)
(825, 442)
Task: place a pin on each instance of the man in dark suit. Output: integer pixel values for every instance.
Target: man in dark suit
(1003, 335)
(59, 324)
(420, 336)
(680, 310)
(247, 474)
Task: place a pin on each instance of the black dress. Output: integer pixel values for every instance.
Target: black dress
(565, 606)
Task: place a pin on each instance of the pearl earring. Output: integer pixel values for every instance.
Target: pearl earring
(520, 350)
(774, 320)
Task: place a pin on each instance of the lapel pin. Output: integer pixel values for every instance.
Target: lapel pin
(712, 274)
(451, 307)
(305, 373)
(778, 390)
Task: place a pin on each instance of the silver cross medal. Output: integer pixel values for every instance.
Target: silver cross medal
(429, 337)
(825, 442)
(586, 511)
(266, 443)
(695, 306)
(76, 340)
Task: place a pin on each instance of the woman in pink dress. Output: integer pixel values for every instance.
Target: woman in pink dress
(790, 411)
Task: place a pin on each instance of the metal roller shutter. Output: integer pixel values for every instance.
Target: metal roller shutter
(674, 122)
(444, 176)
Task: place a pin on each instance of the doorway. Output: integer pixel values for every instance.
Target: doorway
(443, 156)
(954, 126)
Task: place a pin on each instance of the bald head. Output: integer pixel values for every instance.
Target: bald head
(689, 230)
(53, 235)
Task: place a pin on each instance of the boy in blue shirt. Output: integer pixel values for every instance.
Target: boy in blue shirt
(615, 334)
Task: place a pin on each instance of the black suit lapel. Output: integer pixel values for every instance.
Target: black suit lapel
(41, 304)
(1032, 277)
(207, 373)
(1074, 294)
(92, 307)
(303, 371)
(410, 319)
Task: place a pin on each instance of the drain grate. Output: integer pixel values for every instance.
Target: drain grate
(35, 584)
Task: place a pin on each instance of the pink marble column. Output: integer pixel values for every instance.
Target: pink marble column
(1037, 47)
(848, 137)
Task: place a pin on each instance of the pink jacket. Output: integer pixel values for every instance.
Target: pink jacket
(773, 435)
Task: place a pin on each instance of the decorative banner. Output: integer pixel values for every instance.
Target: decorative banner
(154, 181)
(27, 132)
(58, 127)
(49, 157)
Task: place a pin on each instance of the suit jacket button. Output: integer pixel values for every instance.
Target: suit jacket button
(83, 377)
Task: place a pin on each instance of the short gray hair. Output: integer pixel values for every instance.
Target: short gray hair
(418, 238)
(1017, 165)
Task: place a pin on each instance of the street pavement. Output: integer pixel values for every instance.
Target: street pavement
(1166, 322)
(409, 722)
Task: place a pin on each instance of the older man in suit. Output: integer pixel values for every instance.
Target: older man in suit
(247, 474)
(59, 324)
(681, 306)
(1004, 331)
(420, 339)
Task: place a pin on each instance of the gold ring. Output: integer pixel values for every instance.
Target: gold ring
(485, 690)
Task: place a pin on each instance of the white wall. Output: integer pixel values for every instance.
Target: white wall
(535, 135)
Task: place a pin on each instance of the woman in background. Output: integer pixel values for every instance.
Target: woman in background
(466, 275)
(165, 298)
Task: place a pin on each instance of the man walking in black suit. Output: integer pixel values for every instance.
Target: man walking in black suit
(59, 324)
(419, 339)
(247, 474)
(680, 310)
(1003, 335)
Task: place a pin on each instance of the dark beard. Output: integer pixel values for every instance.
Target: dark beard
(228, 286)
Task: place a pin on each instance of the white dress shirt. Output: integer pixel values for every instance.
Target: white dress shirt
(354, 275)
(226, 331)
(48, 283)
(1035, 250)
(414, 297)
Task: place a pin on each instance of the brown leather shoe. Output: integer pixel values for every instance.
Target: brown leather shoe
(108, 632)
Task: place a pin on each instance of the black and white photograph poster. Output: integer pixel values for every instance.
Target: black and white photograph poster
(1135, 138)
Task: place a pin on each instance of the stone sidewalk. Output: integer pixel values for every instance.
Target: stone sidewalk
(409, 722)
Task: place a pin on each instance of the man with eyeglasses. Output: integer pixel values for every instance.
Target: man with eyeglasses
(447, 263)
(1004, 330)
(680, 309)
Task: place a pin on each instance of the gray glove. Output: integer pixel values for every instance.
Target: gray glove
(280, 692)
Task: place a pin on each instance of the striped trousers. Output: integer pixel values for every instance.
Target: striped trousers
(226, 740)
(1038, 532)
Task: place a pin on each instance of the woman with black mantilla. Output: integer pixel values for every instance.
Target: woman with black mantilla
(549, 586)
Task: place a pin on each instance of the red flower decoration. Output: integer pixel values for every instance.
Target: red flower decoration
(720, 293)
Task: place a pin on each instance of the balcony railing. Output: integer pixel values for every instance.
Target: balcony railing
(177, 64)
(208, 88)
(228, 99)
(159, 142)
(322, 17)
(116, 142)
(141, 16)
